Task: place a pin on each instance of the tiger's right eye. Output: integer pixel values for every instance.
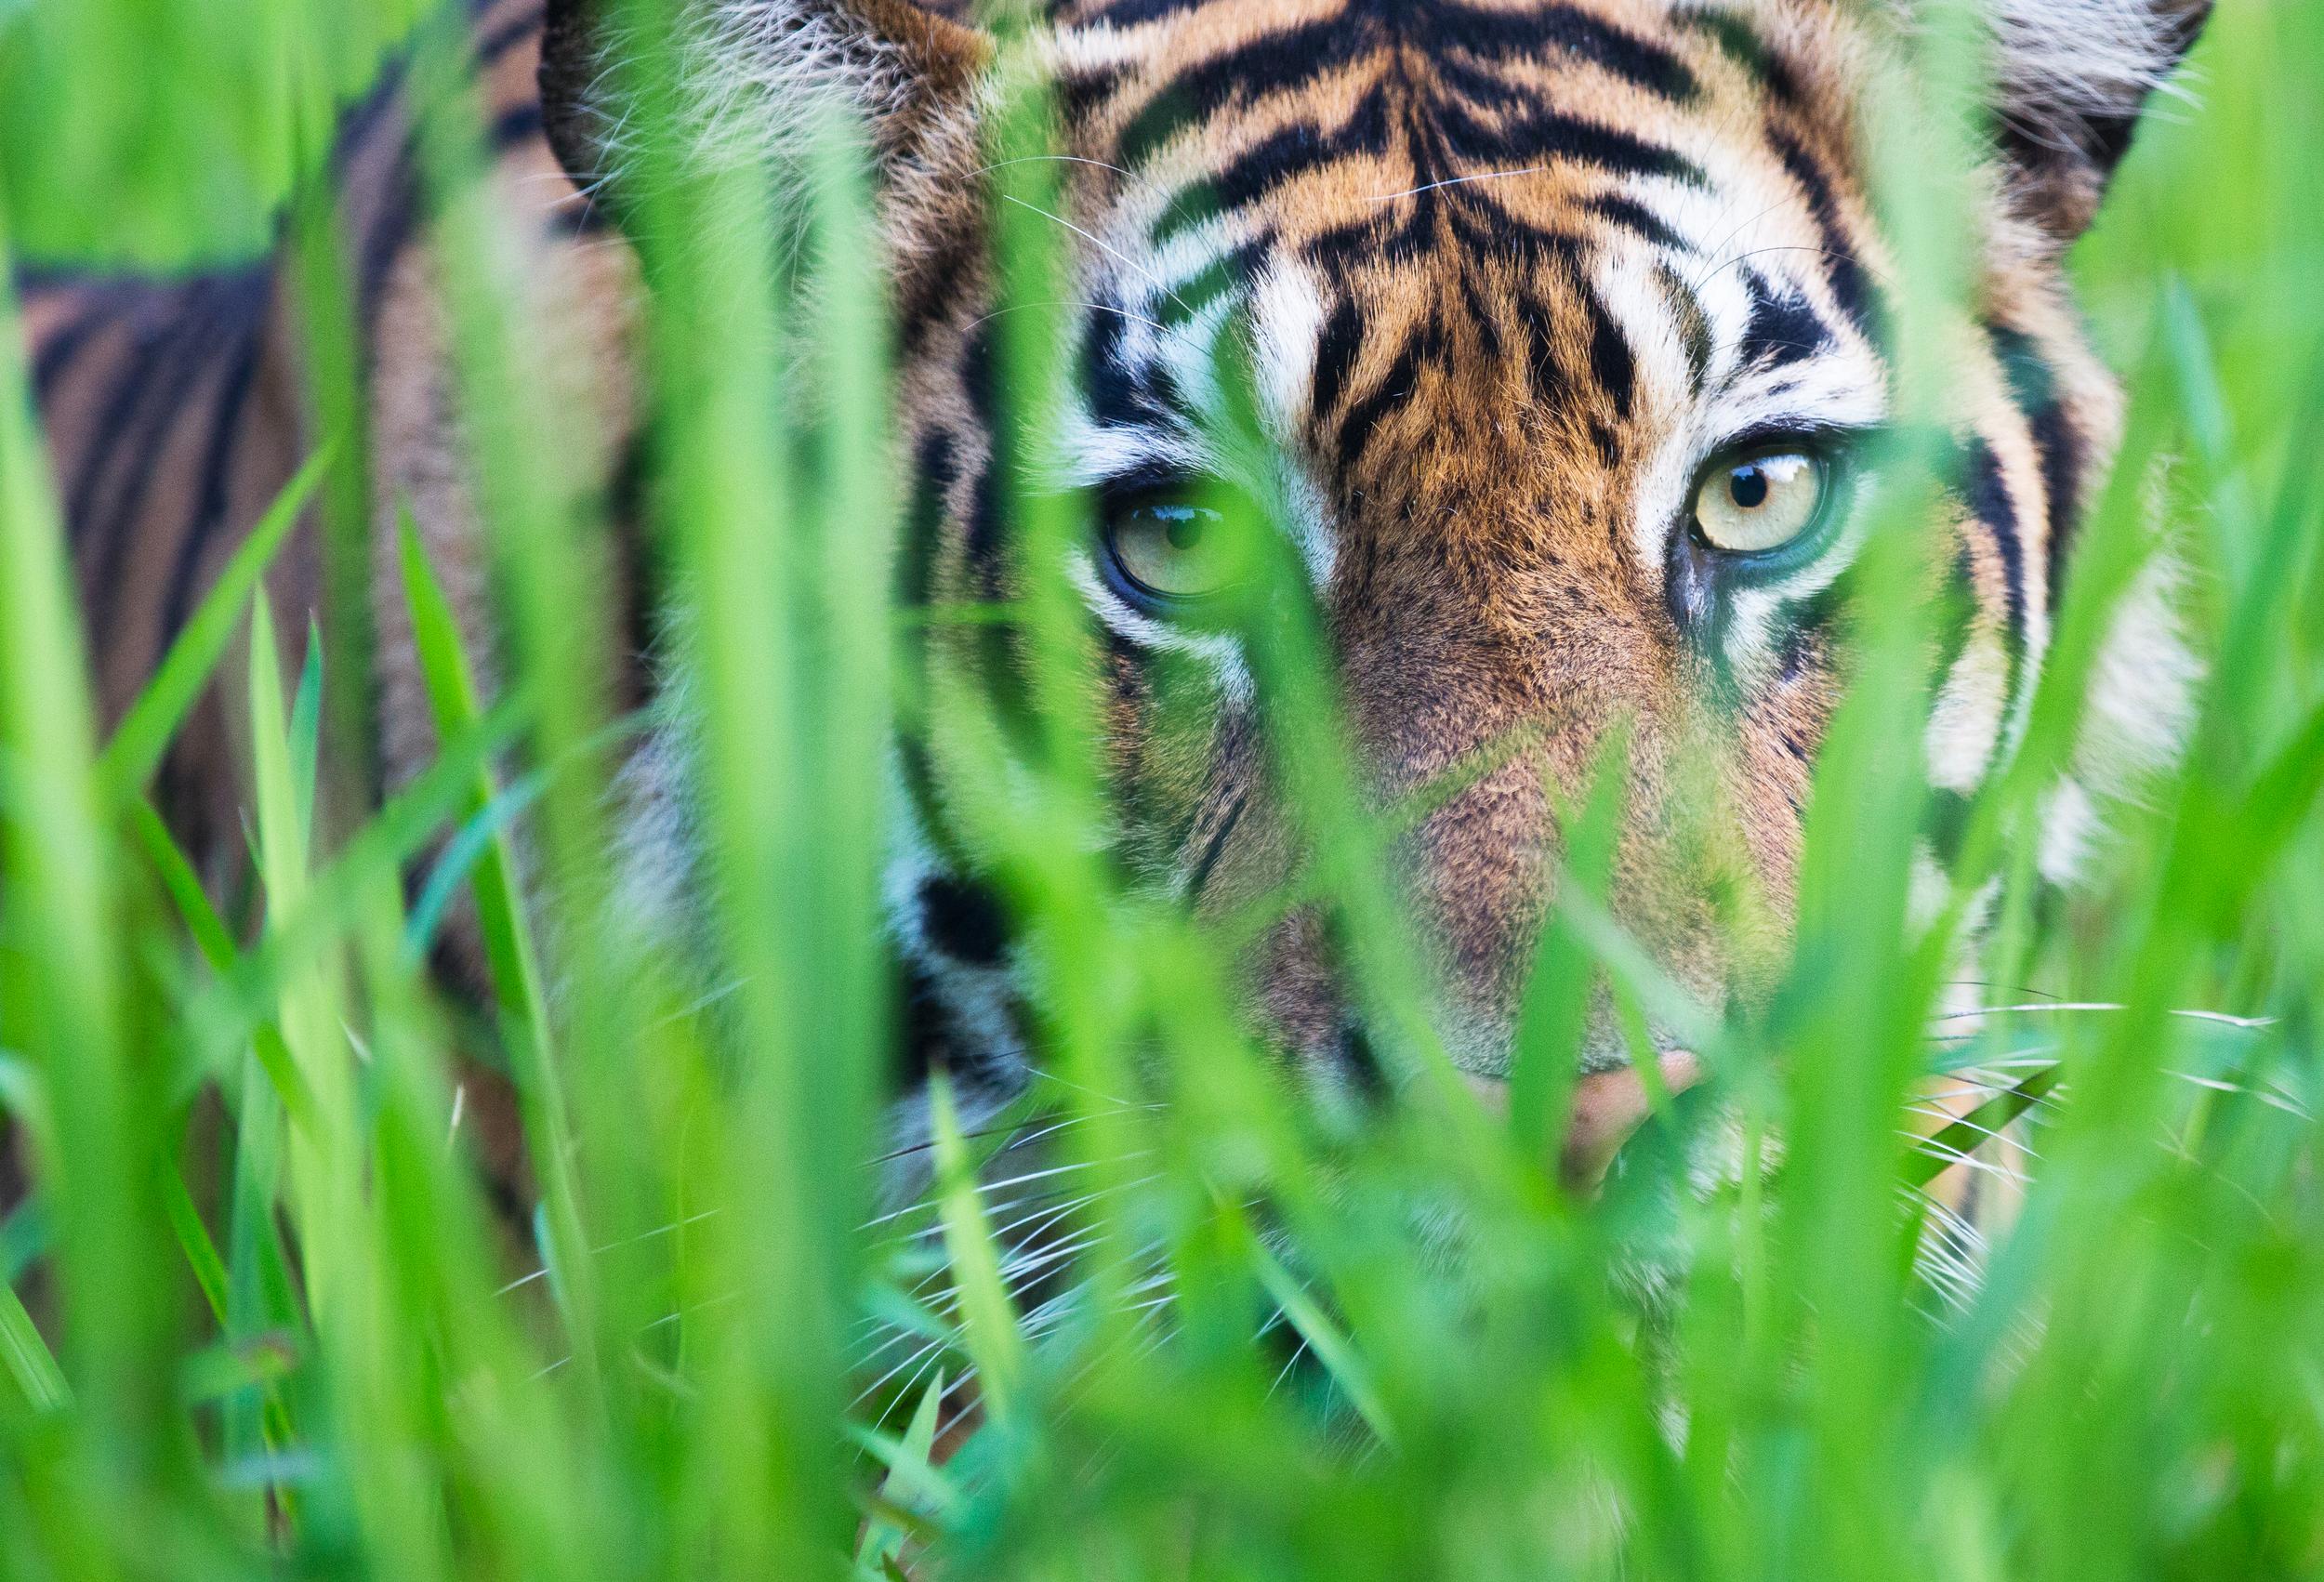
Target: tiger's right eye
(1169, 549)
(1760, 500)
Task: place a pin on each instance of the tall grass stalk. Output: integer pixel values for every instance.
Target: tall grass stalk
(1165, 1315)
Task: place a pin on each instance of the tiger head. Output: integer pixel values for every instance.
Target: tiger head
(1548, 341)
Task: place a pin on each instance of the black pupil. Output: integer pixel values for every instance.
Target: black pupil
(1748, 487)
(1182, 525)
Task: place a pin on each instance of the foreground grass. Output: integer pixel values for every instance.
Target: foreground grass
(281, 1332)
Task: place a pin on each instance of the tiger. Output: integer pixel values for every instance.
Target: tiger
(1567, 326)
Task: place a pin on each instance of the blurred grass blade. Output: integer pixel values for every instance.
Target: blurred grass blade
(65, 985)
(506, 934)
(30, 1363)
(142, 738)
(193, 1238)
(909, 1479)
(306, 727)
(478, 839)
(327, 1168)
(1323, 1338)
(988, 1318)
(182, 885)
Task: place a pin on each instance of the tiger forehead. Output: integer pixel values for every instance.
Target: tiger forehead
(1575, 216)
(1323, 112)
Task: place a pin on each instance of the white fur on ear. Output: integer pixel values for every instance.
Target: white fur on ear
(2072, 78)
(756, 76)
(2071, 74)
(2137, 709)
(758, 69)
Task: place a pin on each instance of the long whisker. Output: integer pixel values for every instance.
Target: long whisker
(2045, 1007)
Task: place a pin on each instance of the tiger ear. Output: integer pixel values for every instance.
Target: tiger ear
(2072, 78)
(752, 72)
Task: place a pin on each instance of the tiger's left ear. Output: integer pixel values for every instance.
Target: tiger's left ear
(754, 72)
(2072, 79)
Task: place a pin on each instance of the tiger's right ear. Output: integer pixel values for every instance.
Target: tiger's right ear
(752, 71)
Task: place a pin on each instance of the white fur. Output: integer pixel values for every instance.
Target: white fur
(2136, 711)
(2062, 63)
(1966, 723)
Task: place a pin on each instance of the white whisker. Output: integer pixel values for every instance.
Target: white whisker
(1456, 181)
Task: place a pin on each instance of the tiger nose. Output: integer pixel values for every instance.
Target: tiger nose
(1608, 1107)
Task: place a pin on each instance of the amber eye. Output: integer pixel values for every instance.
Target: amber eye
(1761, 500)
(1167, 547)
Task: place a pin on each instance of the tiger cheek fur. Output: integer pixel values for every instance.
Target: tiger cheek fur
(1511, 281)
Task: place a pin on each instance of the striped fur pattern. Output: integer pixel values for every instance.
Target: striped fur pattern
(1507, 276)
(177, 409)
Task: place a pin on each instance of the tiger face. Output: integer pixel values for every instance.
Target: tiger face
(1544, 345)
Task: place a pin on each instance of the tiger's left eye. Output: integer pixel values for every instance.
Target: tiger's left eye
(1168, 549)
(1760, 501)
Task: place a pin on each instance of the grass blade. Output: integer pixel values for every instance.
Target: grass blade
(142, 738)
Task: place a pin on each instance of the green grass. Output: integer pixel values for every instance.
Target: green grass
(256, 1320)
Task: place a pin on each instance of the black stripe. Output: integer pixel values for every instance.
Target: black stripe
(964, 920)
(1482, 318)
(214, 318)
(578, 216)
(1739, 44)
(2033, 389)
(1609, 448)
(1781, 329)
(150, 346)
(1633, 215)
(507, 37)
(1945, 822)
(1851, 286)
(1117, 398)
(210, 502)
(1547, 134)
(938, 288)
(1611, 366)
(392, 225)
(65, 342)
(1282, 156)
(1562, 30)
(934, 471)
(1215, 847)
(359, 124)
(517, 124)
(1273, 63)
(1987, 496)
(985, 546)
(1956, 615)
(1135, 13)
(1820, 623)
(1479, 222)
(1336, 348)
(1223, 275)
(1540, 343)
(1395, 388)
(982, 544)
(1081, 94)
(1387, 238)
(1694, 323)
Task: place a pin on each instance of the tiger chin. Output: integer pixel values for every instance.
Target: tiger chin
(1566, 324)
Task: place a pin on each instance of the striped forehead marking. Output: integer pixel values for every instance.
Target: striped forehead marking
(1497, 147)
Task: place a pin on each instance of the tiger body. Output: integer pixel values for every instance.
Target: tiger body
(1514, 281)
